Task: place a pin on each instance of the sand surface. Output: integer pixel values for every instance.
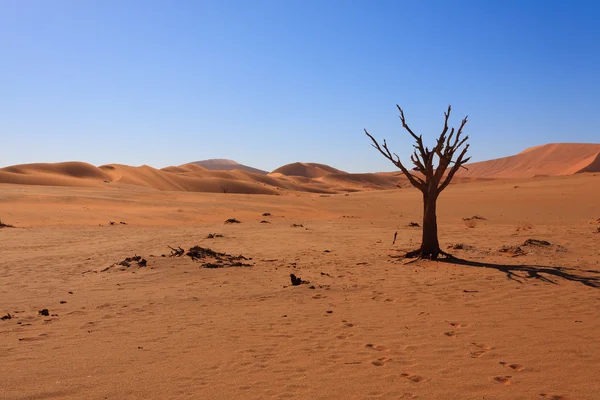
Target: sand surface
(497, 327)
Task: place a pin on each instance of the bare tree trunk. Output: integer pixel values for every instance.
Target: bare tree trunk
(432, 179)
(430, 247)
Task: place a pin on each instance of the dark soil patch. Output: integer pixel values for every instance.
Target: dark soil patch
(214, 259)
(513, 251)
(3, 225)
(297, 281)
(135, 261)
(460, 246)
(536, 242)
(475, 217)
(543, 243)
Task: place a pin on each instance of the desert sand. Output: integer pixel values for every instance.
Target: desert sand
(509, 320)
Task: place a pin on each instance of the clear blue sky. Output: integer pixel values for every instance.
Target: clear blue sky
(272, 82)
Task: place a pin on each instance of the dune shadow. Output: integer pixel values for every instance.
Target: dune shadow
(520, 272)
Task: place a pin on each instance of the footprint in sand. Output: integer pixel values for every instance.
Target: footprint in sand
(347, 324)
(516, 367)
(503, 379)
(377, 347)
(33, 338)
(552, 396)
(381, 361)
(412, 377)
(484, 348)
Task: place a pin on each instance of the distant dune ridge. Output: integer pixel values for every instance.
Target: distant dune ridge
(545, 160)
(227, 176)
(307, 170)
(221, 164)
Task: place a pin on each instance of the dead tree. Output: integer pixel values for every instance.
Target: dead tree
(435, 169)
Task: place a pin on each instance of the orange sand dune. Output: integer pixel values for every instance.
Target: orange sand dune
(365, 181)
(545, 160)
(220, 164)
(59, 174)
(550, 159)
(194, 178)
(190, 178)
(307, 170)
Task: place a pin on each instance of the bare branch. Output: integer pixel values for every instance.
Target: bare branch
(405, 125)
(457, 165)
(414, 180)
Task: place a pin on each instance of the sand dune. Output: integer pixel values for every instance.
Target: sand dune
(220, 164)
(58, 174)
(546, 160)
(194, 178)
(307, 170)
(228, 176)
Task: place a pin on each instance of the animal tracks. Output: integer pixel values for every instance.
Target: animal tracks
(505, 380)
(455, 325)
(347, 324)
(516, 367)
(412, 377)
(377, 347)
(483, 349)
(380, 362)
(552, 396)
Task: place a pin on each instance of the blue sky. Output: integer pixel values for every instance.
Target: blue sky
(272, 82)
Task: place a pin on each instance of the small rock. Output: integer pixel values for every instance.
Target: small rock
(44, 312)
(296, 280)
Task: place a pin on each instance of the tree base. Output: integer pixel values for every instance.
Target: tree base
(427, 255)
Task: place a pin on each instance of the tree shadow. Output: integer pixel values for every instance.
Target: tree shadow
(539, 272)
